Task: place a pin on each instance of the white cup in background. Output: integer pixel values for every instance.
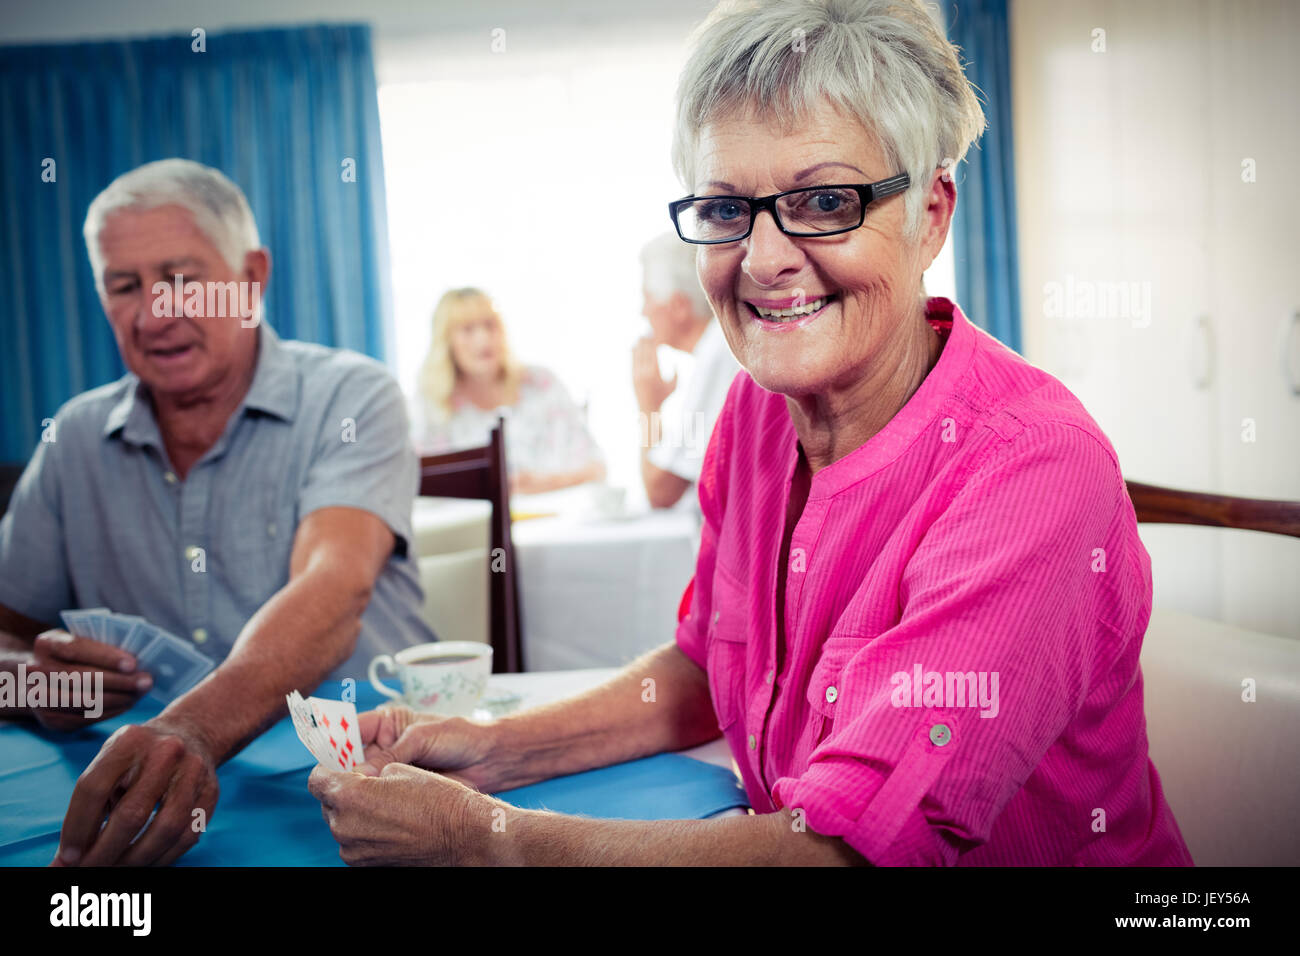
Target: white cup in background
(446, 678)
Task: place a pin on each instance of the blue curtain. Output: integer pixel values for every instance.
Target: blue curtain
(984, 225)
(281, 112)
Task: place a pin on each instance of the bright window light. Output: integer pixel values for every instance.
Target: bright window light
(483, 160)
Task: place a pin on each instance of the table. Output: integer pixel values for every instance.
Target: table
(266, 816)
(595, 591)
(601, 592)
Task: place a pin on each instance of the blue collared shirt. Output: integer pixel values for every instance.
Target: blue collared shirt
(100, 518)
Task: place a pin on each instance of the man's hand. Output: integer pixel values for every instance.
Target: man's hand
(58, 652)
(298, 636)
(403, 817)
(159, 764)
(399, 735)
(649, 385)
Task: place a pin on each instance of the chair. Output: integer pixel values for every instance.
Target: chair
(1230, 769)
(481, 473)
(9, 475)
(1158, 505)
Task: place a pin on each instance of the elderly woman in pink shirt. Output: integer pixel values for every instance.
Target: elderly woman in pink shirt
(920, 594)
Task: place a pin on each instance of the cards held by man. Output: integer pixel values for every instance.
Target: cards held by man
(240, 543)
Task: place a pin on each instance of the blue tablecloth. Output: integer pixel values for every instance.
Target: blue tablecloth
(265, 815)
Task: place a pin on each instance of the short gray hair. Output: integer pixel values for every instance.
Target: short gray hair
(668, 266)
(219, 207)
(885, 62)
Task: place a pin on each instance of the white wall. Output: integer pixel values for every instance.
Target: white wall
(499, 170)
(1131, 169)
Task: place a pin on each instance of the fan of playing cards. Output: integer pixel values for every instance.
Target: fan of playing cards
(173, 664)
(329, 729)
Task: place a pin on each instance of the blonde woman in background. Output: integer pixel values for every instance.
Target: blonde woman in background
(470, 377)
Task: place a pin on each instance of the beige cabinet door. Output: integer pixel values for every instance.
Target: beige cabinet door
(1113, 163)
(1254, 199)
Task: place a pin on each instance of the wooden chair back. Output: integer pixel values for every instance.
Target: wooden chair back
(1231, 779)
(480, 473)
(1157, 505)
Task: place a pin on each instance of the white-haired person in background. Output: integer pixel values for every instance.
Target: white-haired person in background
(901, 620)
(470, 376)
(250, 495)
(676, 422)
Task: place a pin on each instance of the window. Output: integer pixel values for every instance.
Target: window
(525, 128)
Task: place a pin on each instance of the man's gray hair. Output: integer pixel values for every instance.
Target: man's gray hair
(885, 62)
(668, 266)
(218, 206)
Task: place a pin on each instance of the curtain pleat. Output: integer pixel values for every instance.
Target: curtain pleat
(278, 111)
(984, 225)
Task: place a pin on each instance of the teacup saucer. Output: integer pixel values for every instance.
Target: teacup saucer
(497, 702)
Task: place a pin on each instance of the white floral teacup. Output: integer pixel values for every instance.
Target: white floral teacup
(446, 678)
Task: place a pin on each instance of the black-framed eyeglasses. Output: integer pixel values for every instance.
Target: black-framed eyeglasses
(811, 211)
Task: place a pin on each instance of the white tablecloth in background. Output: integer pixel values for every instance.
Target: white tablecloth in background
(599, 593)
(595, 592)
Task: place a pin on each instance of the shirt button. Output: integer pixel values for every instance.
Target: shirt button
(940, 735)
(191, 552)
(170, 478)
(270, 529)
(831, 694)
(200, 635)
(768, 678)
(716, 615)
(753, 742)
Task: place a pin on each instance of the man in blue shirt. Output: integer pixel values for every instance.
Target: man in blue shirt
(250, 495)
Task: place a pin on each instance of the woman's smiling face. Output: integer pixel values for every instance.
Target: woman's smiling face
(869, 278)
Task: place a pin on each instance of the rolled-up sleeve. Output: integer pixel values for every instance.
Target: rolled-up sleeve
(364, 458)
(1026, 578)
(34, 578)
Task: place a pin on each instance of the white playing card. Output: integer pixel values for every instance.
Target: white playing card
(337, 720)
(298, 713)
(323, 754)
(305, 726)
(328, 729)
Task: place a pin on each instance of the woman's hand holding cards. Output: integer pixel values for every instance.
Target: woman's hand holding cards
(391, 812)
(404, 817)
(453, 746)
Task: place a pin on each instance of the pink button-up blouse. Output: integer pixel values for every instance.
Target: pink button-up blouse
(964, 607)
